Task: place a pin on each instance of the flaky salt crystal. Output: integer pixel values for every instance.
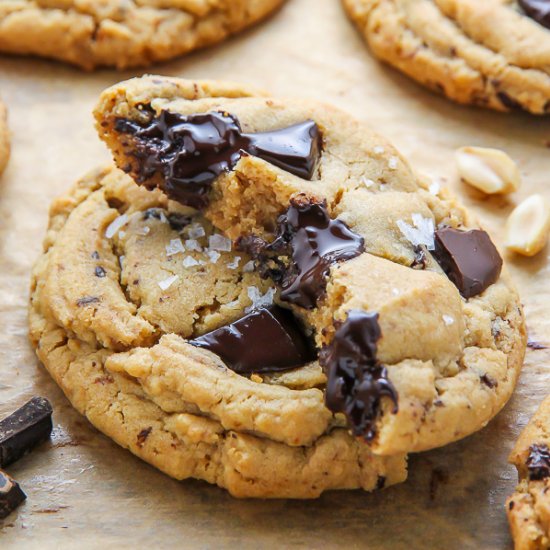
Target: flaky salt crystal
(219, 242)
(189, 261)
(195, 231)
(213, 256)
(392, 163)
(235, 263)
(193, 244)
(421, 234)
(175, 247)
(116, 225)
(167, 283)
(248, 267)
(379, 150)
(448, 320)
(258, 299)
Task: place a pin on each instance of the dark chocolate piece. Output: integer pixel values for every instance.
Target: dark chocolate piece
(531, 344)
(11, 495)
(538, 10)
(538, 462)
(265, 340)
(192, 151)
(357, 381)
(24, 429)
(314, 243)
(469, 258)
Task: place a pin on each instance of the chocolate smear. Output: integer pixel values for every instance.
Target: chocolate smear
(538, 462)
(538, 10)
(265, 340)
(357, 382)
(469, 258)
(190, 152)
(11, 495)
(313, 242)
(25, 429)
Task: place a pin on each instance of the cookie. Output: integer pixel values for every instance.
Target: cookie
(122, 33)
(127, 280)
(4, 138)
(493, 53)
(420, 332)
(528, 508)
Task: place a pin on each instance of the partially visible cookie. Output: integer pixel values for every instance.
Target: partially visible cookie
(122, 33)
(4, 138)
(491, 53)
(528, 508)
(420, 334)
(127, 282)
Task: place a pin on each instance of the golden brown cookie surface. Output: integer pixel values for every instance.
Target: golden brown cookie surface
(4, 138)
(528, 508)
(493, 53)
(122, 33)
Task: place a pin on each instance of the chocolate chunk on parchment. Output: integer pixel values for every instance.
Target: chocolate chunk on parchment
(357, 382)
(469, 258)
(11, 495)
(538, 462)
(25, 429)
(313, 242)
(190, 152)
(538, 10)
(265, 340)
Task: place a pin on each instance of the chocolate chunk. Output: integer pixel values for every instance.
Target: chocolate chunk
(539, 10)
(87, 300)
(314, 242)
(488, 380)
(357, 381)
(531, 344)
(24, 429)
(265, 340)
(538, 462)
(11, 495)
(192, 151)
(469, 258)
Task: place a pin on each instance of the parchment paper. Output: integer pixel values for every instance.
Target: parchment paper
(83, 490)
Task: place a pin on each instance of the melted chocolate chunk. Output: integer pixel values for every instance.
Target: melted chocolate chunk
(314, 243)
(469, 258)
(265, 340)
(22, 430)
(11, 495)
(357, 382)
(539, 10)
(538, 462)
(192, 151)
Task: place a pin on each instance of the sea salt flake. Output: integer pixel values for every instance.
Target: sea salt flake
(219, 242)
(258, 299)
(235, 263)
(367, 182)
(175, 247)
(434, 188)
(379, 150)
(189, 261)
(395, 291)
(121, 261)
(195, 231)
(213, 256)
(248, 267)
(116, 225)
(421, 234)
(193, 244)
(167, 283)
(144, 231)
(392, 163)
(448, 320)
(234, 304)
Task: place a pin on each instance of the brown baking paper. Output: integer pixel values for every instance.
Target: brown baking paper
(86, 492)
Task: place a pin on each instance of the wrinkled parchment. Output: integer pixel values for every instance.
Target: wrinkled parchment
(86, 492)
